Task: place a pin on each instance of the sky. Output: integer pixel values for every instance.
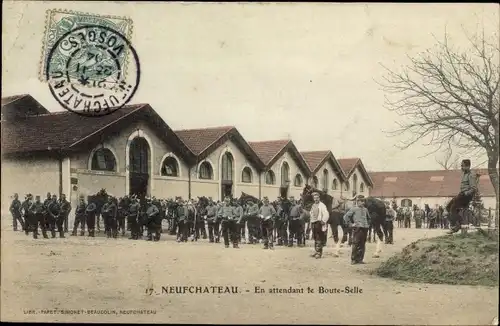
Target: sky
(299, 71)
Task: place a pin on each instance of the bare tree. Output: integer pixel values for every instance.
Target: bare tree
(448, 160)
(448, 95)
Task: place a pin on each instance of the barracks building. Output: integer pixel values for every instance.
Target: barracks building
(133, 150)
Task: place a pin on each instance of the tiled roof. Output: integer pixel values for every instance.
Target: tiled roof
(314, 158)
(55, 131)
(199, 140)
(437, 183)
(20, 106)
(348, 164)
(267, 150)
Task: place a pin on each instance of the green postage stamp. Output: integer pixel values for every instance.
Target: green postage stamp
(59, 22)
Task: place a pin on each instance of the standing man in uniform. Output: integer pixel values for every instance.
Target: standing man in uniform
(90, 213)
(359, 219)
(190, 219)
(468, 187)
(319, 226)
(267, 214)
(46, 215)
(389, 226)
(109, 214)
(240, 222)
(153, 219)
(65, 209)
(37, 210)
(252, 217)
(54, 210)
(213, 227)
(15, 210)
(25, 208)
(228, 217)
(418, 215)
(294, 223)
(80, 218)
(133, 218)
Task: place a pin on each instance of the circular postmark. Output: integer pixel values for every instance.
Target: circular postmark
(86, 73)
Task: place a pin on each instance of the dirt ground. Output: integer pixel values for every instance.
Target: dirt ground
(80, 275)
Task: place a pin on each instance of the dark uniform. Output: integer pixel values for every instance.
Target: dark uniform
(153, 222)
(240, 222)
(37, 211)
(253, 222)
(190, 220)
(280, 224)
(229, 218)
(54, 210)
(418, 215)
(359, 218)
(109, 214)
(27, 215)
(389, 226)
(80, 218)
(200, 223)
(295, 225)
(407, 218)
(47, 218)
(122, 213)
(133, 218)
(213, 224)
(267, 213)
(65, 209)
(15, 210)
(182, 224)
(90, 213)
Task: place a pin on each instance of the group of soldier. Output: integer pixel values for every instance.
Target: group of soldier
(428, 217)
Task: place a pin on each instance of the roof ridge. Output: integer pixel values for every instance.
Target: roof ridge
(206, 128)
(14, 98)
(269, 141)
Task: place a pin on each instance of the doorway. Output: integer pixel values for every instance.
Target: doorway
(284, 192)
(139, 167)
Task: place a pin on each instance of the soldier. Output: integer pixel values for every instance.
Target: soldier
(418, 215)
(266, 214)
(37, 211)
(153, 219)
(47, 217)
(294, 223)
(80, 218)
(407, 217)
(109, 214)
(53, 210)
(240, 222)
(252, 217)
(335, 220)
(400, 217)
(213, 225)
(133, 218)
(25, 209)
(359, 219)
(182, 225)
(200, 221)
(433, 217)
(90, 213)
(190, 219)
(15, 210)
(228, 216)
(121, 213)
(389, 226)
(281, 222)
(319, 220)
(65, 209)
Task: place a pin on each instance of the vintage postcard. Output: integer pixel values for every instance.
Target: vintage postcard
(250, 163)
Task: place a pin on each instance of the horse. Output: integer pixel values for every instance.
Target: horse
(377, 210)
(99, 199)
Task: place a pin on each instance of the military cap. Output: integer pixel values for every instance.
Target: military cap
(265, 198)
(315, 193)
(466, 162)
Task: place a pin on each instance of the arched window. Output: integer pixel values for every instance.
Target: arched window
(103, 160)
(335, 184)
(227, 166)
(246, 175)
(362, 187)
(170, 167)
(315, 182)
(406, 202)
(347, 186)
(270, 179)
(298, 181)
(206, 171)
(285, 174)
(325, 179)
(355, 183)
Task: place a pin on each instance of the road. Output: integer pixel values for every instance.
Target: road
(81, 274)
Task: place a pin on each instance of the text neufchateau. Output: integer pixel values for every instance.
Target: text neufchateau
(200, 289)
